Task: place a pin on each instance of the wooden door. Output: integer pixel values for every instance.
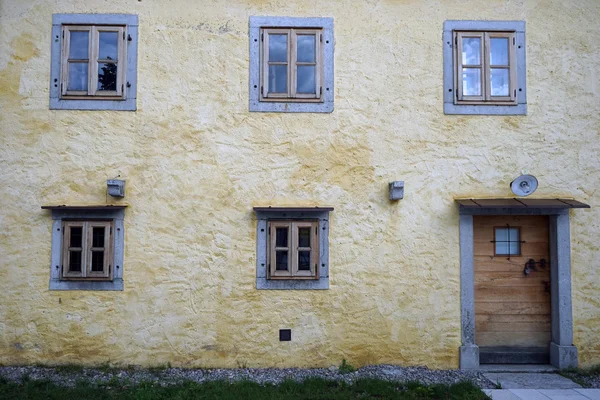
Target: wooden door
(512, 300)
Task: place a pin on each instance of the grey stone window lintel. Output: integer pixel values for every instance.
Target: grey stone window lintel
(450, 91)
(128, 20)
(117, 216)
(262, 282)
(324, 23)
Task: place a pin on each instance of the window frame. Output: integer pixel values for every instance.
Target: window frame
(87, 249)
(519, 241)
(485, 67)
(292, 94)
(108, 216)
(315, 216)
(293, 248)
(124, 98)
(92, 93)
(322, 100)
(453, 103)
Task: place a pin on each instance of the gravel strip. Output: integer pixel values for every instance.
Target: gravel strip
(591, 381)
(170, 376)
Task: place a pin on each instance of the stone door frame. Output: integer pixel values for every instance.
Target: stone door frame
(563, 353)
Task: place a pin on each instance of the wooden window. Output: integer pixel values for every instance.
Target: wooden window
(87, 250)
(291, 65)
(485, 68)
(293, 250)
(93, 62)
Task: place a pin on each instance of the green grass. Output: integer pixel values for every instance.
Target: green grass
(313, 389)
(346, 368)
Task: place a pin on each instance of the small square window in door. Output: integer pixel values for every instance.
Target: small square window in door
(507, 241)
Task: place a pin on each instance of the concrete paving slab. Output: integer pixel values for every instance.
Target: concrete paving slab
(543, 394)
(500, 394)
(528, 394)
(563, 394)
(520, 380)
(592, 394)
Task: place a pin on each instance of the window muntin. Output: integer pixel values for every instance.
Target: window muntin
(485, 70)
(87, 250)
(507, 241)
(93, 62)
(293, 250)
(291, 64)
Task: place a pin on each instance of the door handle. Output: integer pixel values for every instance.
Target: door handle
(532, 265)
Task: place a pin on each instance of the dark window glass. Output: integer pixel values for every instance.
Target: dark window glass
(304, 260)
(75, 261)
(107, 76)
(76, 236)
(281, 237)
(303, 237)
(97, 261)
(98, 236)
(281, 260)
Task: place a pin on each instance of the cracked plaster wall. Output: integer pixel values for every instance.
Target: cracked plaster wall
(196, 162)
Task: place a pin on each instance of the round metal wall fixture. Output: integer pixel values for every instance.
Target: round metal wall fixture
(524, 185)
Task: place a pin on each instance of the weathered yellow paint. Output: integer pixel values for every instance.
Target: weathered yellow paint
(196, 162)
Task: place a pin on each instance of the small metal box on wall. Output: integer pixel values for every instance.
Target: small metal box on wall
(116, 187)
(396, 190)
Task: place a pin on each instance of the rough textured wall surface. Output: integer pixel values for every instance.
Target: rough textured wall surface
(196, 162)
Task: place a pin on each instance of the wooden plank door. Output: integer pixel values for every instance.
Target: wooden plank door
(512, 302)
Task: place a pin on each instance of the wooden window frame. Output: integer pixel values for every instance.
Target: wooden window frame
(485, 98)
(292, 37)
(293, 248)
(93, 61)
(86, 250)
(519, 242)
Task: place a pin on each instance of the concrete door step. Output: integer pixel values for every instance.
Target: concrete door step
(526, 368)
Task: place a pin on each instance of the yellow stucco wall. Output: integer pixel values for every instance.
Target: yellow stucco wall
(196, 162)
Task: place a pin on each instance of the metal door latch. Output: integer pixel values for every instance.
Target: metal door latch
(532, 265)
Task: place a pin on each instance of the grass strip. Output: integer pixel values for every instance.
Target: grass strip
(313, 389)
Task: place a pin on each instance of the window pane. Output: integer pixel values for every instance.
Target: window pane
(107, 76)
(471, 82)
(304, 260)
(277, 78)
(306, 48)
(304, 237)
(508, 241)
(78, 76)
(281, 260)
(108, 46)
(306, 79)
(471, 51)
(97, 261)
(76, 235)
(501, 235)
(75, 261)
(278, 48)
(499, 51)
(500, 82)
(98, 236)
(515, 241)
(281, 237)
(79, 44)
